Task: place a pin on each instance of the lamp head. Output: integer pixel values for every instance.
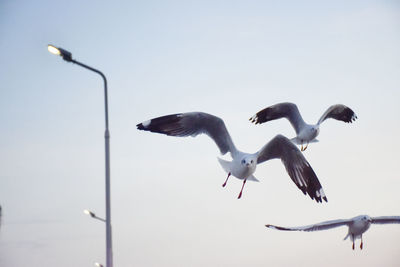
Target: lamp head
(66, 55)
(88, 212)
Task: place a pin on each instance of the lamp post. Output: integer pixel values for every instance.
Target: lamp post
(67, 56)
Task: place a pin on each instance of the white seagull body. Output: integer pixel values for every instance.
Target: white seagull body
(357, 226)
(243, 165)
(306, 133)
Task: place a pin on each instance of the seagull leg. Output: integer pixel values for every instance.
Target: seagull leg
(301, 149)
(353, 244)
(361, 245)
(229, 174)
(305, 147)
(240, 194)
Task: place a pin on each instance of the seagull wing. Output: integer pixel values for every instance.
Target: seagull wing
(192, 123)
(314, 227)
(296, 166)
(282, 110)
(338, 112)
(386, 219)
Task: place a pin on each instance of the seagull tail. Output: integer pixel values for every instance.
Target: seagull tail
(252, 178)
(226, 165)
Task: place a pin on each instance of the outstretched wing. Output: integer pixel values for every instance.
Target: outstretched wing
(296, 166)
(386, 219)
(282, 110)
(192, 123)
(338, 112)
(313, 227)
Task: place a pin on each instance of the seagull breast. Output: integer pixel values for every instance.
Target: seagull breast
(360, 225)
(308, 133)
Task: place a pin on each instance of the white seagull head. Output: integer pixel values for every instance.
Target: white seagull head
(249, 162)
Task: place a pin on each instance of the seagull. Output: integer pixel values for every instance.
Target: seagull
(243, 165)
(306, 133)
(357, 226)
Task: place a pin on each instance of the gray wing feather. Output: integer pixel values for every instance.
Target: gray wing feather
(386, 219)
(296, 166)
(281, 110)
(192, 124)
(314, 227)
(338, 112)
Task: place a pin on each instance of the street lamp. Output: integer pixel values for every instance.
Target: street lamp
(93, 215)
(67, 56)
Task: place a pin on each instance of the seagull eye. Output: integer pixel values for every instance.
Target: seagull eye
(251, 161)
(243, 161)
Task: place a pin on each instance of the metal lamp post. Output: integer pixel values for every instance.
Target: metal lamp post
(67, 56)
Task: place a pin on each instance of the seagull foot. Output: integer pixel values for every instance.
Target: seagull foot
(240, 194)
(224, 184)
(353, 245)
(361, 245)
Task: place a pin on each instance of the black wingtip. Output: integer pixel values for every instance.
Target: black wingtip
(319, 199)
(254, 120)
(278, 227)
(140, 126)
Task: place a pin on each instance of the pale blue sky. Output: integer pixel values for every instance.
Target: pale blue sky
(228, 58)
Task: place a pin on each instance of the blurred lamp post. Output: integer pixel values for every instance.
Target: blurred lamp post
(67, 56)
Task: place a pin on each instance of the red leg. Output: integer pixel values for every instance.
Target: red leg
(353, 245)
(223, 185)
(240, 194)
(361, 245)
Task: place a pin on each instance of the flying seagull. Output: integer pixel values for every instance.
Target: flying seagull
(306, 133)
(357, 226)
(243, 165)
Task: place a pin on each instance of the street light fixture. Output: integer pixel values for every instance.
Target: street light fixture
(54, 50)
(67, 56)
(93, 215)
